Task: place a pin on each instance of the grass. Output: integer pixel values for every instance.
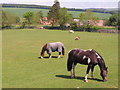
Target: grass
(22, 67)
(0, 60)
(20, 11)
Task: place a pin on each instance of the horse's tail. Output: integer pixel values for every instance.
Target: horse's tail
(70, 62)
(63, 51)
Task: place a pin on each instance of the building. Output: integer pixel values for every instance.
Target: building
(98, 23)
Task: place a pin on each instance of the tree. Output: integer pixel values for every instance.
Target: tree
(17, 19)
(38, 16)
(8, 19)
(113, 20)
(4, 19)
(64, 17)
(23, 22)
(87, 20)
(53, 14)
(29, 17)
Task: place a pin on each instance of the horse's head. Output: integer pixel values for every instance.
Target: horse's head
(43, 50)
(104, 74)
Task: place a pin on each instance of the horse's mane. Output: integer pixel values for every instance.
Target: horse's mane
(103, 62)
(98, 54)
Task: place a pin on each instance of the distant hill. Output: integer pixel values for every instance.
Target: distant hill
(105, 10)
(26, 6)
(20, 9)
(98, 10)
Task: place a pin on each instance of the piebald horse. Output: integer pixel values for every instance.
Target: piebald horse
(87, 57)
(52, 47)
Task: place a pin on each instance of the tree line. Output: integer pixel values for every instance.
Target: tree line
(26, 6)
(29, 18)
(59, 17)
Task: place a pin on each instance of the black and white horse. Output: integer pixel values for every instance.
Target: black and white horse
(87, 57)
(52, 47)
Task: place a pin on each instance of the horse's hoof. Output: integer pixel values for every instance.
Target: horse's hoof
(71, 77)
(50, 57)
(85, 80)
(41, 57)
(58, 57)
(104, 80)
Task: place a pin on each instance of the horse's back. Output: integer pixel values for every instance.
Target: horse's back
(82, 56)
(56, 46)
(75, 51)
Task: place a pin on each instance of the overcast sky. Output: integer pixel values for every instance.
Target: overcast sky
(69, 3)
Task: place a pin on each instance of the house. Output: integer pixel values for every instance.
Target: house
(98, 23)
(45, 21)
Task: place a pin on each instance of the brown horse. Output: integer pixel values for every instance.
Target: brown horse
(52, 47)
(87, 57)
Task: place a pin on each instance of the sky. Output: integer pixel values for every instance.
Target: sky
(69, 3)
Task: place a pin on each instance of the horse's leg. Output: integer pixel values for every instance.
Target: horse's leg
(50, 56)
(92, 69)
(88, 69)
(59, 55)
(73, 71)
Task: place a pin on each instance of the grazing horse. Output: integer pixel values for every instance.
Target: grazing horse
(87, 57)
(52, 47)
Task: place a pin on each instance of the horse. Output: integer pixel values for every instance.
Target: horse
(52, 47)
(86, 57)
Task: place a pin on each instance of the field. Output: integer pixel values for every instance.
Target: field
(20, 11)
(22, 67)
(0, 60)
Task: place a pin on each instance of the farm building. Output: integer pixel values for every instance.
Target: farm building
(45, 21)
(98, 23)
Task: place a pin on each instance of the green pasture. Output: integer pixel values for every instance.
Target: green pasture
(76, 14)
(20, 11)
(22, 67)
